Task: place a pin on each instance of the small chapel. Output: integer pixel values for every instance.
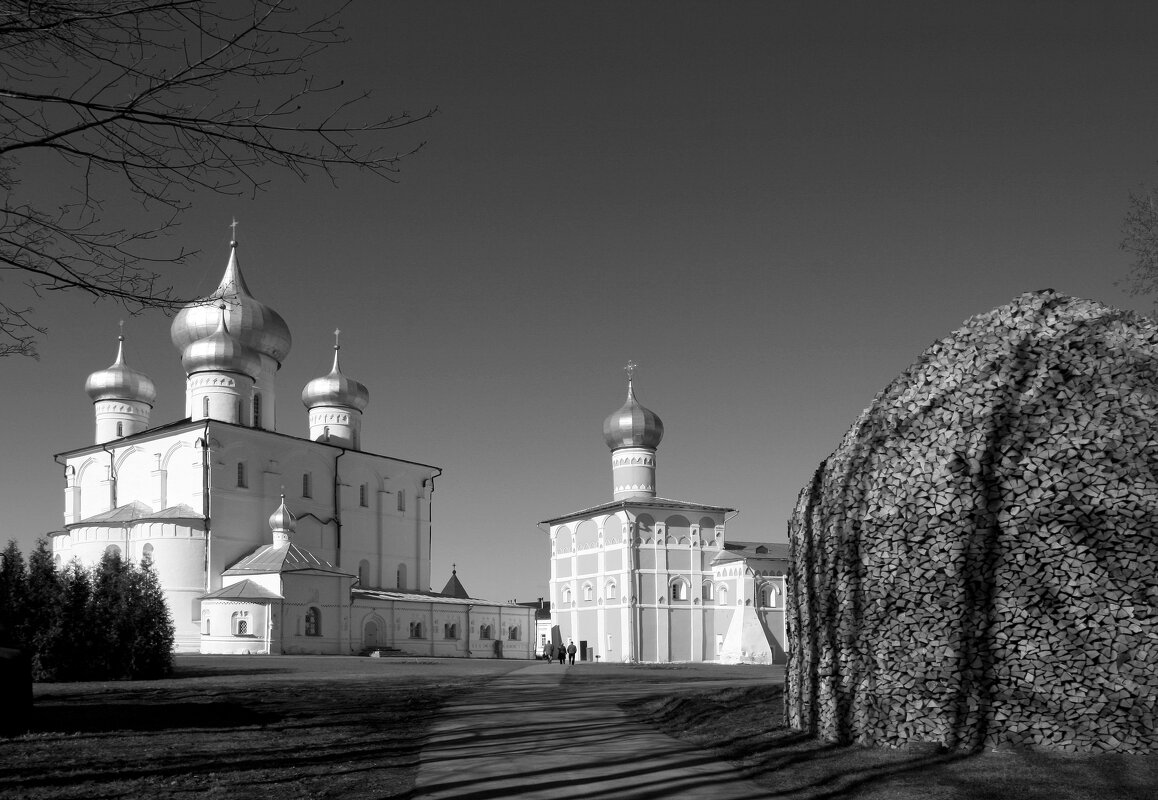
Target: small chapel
(645, 578)
(267, 542)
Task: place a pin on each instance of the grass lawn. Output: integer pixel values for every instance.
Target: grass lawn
(238, 728)
(317, 727)
(745, 725)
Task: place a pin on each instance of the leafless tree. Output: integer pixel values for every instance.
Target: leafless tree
(1140, 240)
(155, 101)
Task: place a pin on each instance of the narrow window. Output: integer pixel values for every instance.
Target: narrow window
(609, 643)
(205, 626)
(567, 596)
(610, 591)
(484, 632)
(241, 481)
(513, 633)
(306, 486)
(237, 413)
(362, 499)
(587, 592)
(401, 576)
(763, 597)
(402, 500)
(313, 621)
(415, 630)
(257, 409)
(363, 573)
(709, 590)
(679, 590)
(242, 627)
(120, 429)
(205, 407)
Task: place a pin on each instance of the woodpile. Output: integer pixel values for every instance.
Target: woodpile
(975, 565)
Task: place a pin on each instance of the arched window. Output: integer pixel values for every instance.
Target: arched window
(402, 500)
(307, 485)
(242, 482)
(112, 550)
(723, 595)
(485, 632)
(257, 409)
(610, 590)
(450, 631)
(363, 573)
(566, 595)
(709, 590)
(205, 406)
(313, 621)
(588, 592)
(239, 622)
(147, 553)
(764, 597)
(120, 429)
(513, 633)
(415, 630)
(679, 589)
(363, 500)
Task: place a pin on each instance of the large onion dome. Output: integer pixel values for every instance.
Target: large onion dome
(220, 351)
(254, 323)
(335, 389)
(121, 382)
(632, 425)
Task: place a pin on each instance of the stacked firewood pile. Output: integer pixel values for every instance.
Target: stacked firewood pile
(977, 563)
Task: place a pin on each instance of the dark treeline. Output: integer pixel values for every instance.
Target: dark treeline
(109, 622)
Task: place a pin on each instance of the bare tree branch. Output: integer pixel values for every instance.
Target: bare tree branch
(156, 101)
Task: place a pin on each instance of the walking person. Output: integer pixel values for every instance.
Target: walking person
(562, 653)
(571, 653)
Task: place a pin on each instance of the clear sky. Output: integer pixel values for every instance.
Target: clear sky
(772, 207)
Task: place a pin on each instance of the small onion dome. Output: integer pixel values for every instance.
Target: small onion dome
(282, 521)
(220, 351)
(335, 389)
(121, 382)
(633, 425)
(257, 325)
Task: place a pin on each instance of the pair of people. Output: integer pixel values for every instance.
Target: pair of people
(567, 652)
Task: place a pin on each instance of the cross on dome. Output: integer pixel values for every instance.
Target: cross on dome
(630, 369)
(233, 229)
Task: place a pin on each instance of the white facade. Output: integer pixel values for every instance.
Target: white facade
(195, 495)
(646, 578)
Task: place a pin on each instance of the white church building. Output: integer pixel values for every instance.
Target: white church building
(263, 541)
(643, 578)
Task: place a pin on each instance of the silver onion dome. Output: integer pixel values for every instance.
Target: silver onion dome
(282, 520)
(221, 351)
(335, 389)
(632, 425)
(121, 382)
(257, 325)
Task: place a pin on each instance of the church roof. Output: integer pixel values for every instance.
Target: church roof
(215, 427)
(288, 558)
(661, 503)
(415, 595)
(454, 587)
(243, 590)
(136, 511)
(748, 551)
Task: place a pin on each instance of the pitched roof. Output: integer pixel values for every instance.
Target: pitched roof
(640, 502)
(243, 590)
(287, 558)
(752, 551)
(454, 587)
(136, 511)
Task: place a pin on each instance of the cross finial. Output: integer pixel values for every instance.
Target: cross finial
(337, 333)
(233, 226)
(454, 569)
(630, 369)
(121, 336)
